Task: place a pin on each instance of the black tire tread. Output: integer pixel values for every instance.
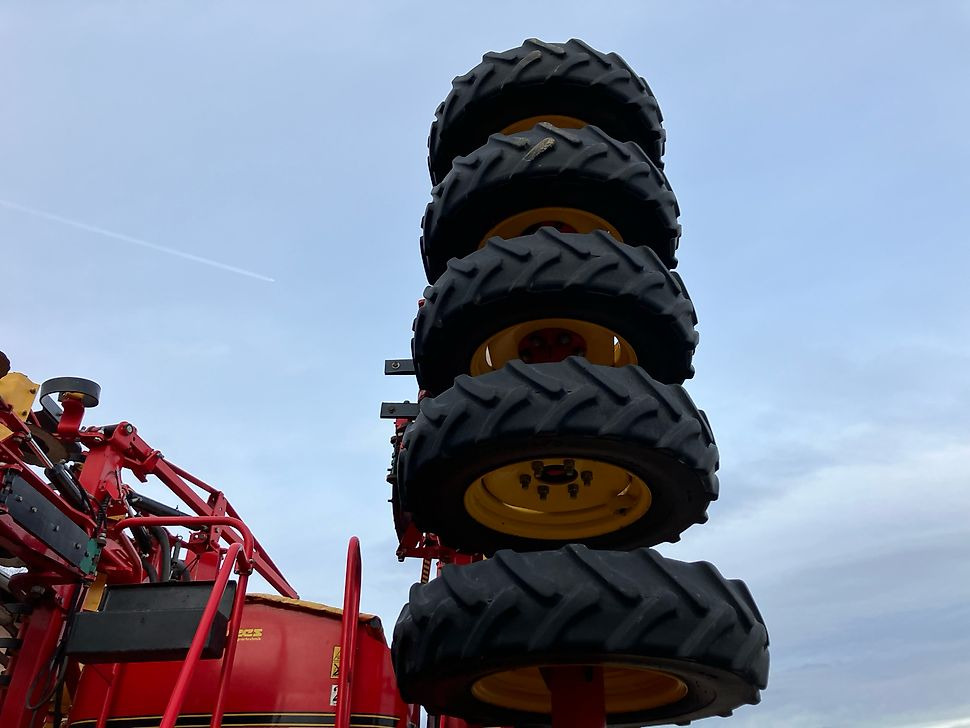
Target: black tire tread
(565, 69)
(576, 605)
(606, 167)
(523, 403)
(578, 270)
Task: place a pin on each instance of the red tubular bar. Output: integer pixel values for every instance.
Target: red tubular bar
(248, 542)
(116, 672)
(348, 633)
(229, 658)
(195, 649)
(241, 553)
(40, 635)
(578, 699)
(174, 477)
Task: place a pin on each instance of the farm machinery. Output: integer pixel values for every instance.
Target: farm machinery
(551, 445)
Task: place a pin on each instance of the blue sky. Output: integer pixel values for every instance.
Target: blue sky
(821, 158)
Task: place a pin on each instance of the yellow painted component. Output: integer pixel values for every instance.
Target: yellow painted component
(561, 122)
(335, 663)
(92, 600)
(275, 600)
(579, 220)
(19, 392)
(603, 346)
(613, 499)
(627, 689)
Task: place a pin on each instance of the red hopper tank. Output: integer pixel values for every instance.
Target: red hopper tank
(285, 676)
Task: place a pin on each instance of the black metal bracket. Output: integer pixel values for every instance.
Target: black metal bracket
(149, 622)
(44, 520)
(399, 366)
(394, 410)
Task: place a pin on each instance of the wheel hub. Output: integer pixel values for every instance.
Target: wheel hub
(564, 219)
(558, 498)
(551, 340)
(627, 689)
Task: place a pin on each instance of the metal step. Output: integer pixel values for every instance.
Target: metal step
(149, 622)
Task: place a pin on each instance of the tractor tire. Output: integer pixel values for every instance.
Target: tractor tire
(569, 82)
(677, 641)
(552, 276)
(577, 179)
(486, 465)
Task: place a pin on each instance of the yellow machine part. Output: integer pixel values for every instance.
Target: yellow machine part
(513, 499)
(627, 689)
(579, 221)
(19, 392)
(603, 346)
(562, 122)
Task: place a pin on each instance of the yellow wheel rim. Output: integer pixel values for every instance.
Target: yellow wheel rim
(598, 344)
(557, 498)
(627, 689)
(562, 122)
(565, 219)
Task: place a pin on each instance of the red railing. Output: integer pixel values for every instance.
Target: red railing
(348, 634)
(238, 554)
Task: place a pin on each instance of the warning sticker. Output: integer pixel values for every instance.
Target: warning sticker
(335, 663)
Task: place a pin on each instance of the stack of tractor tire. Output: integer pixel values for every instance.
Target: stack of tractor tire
(554, 437)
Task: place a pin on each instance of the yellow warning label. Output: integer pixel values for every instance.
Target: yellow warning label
(250, 634)
(335, 663)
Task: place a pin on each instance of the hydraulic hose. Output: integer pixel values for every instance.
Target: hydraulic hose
(161, 535)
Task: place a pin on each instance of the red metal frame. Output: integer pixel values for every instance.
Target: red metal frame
(348, 633)
(238, 554)
(578, 699)
(51, 583)
(578, 695)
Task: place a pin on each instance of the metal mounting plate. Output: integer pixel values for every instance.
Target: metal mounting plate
(394, 410)
(399, 366)
(41, 518)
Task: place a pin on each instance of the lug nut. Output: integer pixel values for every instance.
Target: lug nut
(537, 466)
(543, 491)
(586, 476)
(524, 480)
(573, 490)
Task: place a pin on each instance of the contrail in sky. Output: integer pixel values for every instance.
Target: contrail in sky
(136, 241)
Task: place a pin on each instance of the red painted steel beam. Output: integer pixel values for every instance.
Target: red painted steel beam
(578, 696)
(30, 665)
(348, 633)
(181, 687)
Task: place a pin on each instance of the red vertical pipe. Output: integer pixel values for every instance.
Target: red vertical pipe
(109, 695)
(578, 696)
(348, 633)
(230, 656)
(195, 649)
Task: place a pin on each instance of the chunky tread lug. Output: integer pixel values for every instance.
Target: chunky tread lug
(539, 78)
(549, 167)
(549, 274)
(570, 408)
(574, 605)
